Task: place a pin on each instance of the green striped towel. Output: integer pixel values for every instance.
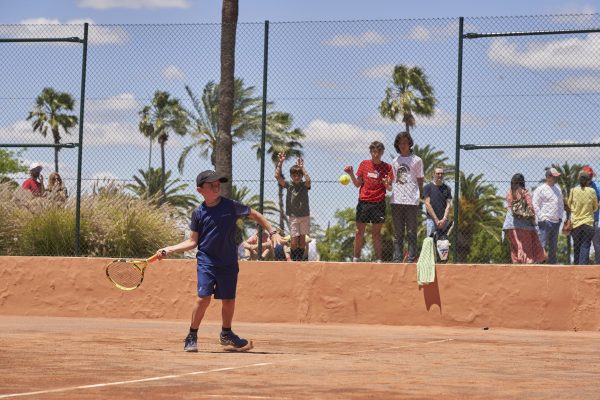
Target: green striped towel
(426, 263)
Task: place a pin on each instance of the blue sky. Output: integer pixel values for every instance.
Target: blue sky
(329, 75)
(204, 11)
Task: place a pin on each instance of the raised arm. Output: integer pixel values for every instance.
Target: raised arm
(356, 180)
(278, 175)
(300, 163)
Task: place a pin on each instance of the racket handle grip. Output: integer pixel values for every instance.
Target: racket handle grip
(155, 257)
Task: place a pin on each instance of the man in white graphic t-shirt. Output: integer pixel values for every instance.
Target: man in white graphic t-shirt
(407, 191)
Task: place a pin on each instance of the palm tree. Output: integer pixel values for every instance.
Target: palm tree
(246, 120)
(432, 158)
(480, 209)
(338, 242)
(163, 116)
(147, 129)
(150, 185)
(281, 140)
(410, 94)
(229, 18)
(48, 112)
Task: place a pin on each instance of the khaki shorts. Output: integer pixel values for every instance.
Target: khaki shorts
(299, 226)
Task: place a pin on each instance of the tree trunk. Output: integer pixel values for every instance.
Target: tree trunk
(56, 135)
(150, 155)
(281, 213)
(229, 17)
(163, 195)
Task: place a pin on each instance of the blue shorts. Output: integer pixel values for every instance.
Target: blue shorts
(222, 282)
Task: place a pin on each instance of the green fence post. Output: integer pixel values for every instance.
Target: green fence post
(80, 147)
(263, 135)
(461, 22)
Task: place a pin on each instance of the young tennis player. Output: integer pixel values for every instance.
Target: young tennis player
(296, 204)
(212, 231)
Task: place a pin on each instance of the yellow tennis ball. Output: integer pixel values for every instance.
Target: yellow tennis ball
(345, 179)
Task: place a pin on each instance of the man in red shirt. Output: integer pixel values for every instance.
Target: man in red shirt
(373, 177)
(35, 183)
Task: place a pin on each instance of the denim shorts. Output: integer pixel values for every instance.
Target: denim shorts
(220, 282)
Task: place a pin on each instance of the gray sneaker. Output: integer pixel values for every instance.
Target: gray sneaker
(191, 343)
(233, 342)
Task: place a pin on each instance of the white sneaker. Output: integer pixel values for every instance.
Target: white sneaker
(355, 259)
(378, 261)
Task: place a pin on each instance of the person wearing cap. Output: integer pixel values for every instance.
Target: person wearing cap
(596, 238)
(35, 182)
(549, 207)
(213, 230)
(583, 203)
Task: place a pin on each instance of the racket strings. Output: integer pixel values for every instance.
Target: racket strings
(125, 274)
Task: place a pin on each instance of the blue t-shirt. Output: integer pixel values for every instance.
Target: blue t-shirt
(216, 227)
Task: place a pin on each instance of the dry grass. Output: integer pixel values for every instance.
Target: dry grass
(113, 224)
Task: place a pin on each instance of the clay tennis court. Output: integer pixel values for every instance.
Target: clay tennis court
(91, 358)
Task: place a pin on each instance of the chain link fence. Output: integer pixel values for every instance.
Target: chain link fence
(325, 84)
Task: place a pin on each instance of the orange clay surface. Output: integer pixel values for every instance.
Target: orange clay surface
(91, 358)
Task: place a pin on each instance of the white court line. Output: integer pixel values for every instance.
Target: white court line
(159, 378)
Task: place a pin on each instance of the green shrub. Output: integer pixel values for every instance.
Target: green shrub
(113, 224)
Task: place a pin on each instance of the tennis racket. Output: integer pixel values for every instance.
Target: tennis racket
(128, 274)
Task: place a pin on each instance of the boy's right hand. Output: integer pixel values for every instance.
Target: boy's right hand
(162, 253)
(348, 169)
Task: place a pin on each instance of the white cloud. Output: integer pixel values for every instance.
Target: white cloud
(345, 137)
(51, 28)
(578, 84)
(574, 52)
(95, 134)
(120, 102)
(133, 4)
(378, 71)
(361, 40)
(558, 155)
(171, 72)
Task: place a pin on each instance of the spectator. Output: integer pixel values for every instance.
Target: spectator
(311, 250)
(549, 207)
(525, 246)
(296, 204)
(56, 189)
(438, 202)
(407, 190)
(583, 202)
(251, 246)
(35, 182)
(282, 251)
(596, 238)
(372, 178)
